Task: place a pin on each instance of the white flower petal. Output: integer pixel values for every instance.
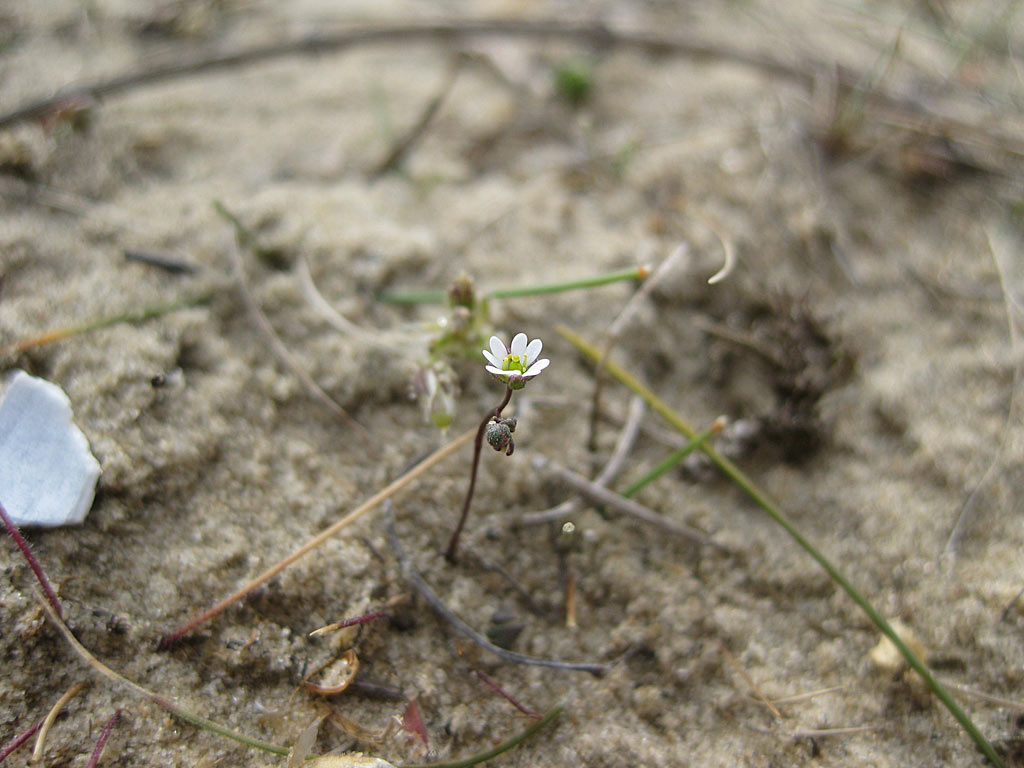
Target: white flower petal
(518, 344)
(498, 372)
(498, 349)
(492, 359)
(536, 368)
(533, 350)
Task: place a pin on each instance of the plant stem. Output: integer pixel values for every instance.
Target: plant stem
(453, 543)
(398, 484)
(183, 714)
(132, 316)
(17, 741)
(102, 740)
(44, 582)
(550, 716)
(670, 461)
(739, 478)
(634, 273)
(438, 297)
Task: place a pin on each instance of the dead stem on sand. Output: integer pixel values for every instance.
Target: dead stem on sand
(262, 323)
(435, 602)
(886, 107)
(37, 570)
(438, 455)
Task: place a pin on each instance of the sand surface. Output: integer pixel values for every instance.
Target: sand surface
(863, 348)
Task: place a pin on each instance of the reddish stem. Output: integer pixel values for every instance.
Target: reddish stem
(453, 543)
(32, 562)
(493, 685)
(102, 741)
(366, 617)
(17, 742)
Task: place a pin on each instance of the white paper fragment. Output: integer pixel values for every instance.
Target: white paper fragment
(47, 472)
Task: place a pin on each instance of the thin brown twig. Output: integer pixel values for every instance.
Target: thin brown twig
(546, 29)
(797, 697)
(735, 664)
(997, 700)
(811, 733)
(897, 108)
(319, 539)
(494, 686)
(620, 504)
(416, 580)
(627, 437)
(281, 351)
(404, 145)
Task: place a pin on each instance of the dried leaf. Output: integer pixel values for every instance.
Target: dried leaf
(336, 676)
(304, 744)
(348, 761)
(412, 721)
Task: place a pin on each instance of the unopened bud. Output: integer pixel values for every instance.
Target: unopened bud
(498, 435)
(461, 293)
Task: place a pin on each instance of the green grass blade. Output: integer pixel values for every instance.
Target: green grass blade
(549, 717)
(438, 297)
(739, 478)
(668, 462)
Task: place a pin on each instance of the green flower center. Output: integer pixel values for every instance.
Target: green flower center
(514, 363)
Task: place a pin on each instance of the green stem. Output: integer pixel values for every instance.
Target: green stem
(132, 316)
(634, 273)
(208, 725)
(438, 297)
(481, 757)
(737, 476)
(669, 461)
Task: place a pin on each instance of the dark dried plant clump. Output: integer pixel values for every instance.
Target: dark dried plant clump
(801, 359)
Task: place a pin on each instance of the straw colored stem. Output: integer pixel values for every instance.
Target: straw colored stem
(51, 718)
(200, 722)
(133, 316)
(319, 539)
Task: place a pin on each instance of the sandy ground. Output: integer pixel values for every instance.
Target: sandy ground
(863, 343)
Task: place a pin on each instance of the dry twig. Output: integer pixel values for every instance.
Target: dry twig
(620, 504)
(413, 577)
(319, 539)
(627, 437)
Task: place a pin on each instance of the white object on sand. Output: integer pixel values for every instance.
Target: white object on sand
(47, 472)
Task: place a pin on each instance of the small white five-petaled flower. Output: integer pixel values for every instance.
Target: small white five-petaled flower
(517, 364)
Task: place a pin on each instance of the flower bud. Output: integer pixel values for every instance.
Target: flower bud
(461, 293)
(498, 435)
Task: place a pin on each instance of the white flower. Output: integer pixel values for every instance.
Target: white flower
(517, 364)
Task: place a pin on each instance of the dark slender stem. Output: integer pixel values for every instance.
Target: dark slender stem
(437, 604)
(550, 716)
(493, 685)
(19, 740)
(102, 741)
(478, 443)
(12, 529)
